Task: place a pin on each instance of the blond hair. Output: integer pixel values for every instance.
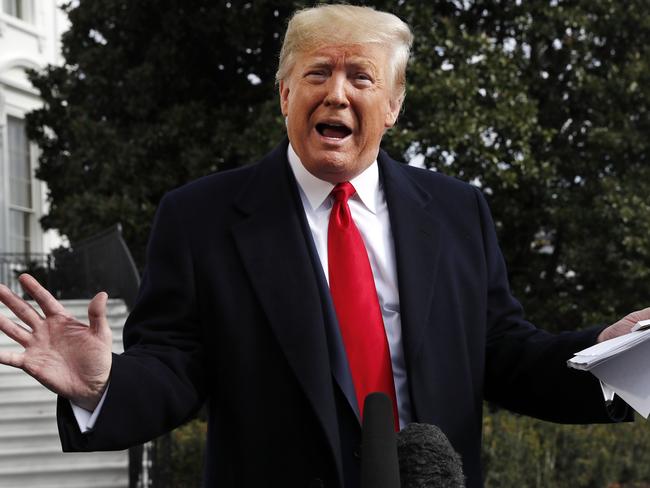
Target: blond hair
(329, 25)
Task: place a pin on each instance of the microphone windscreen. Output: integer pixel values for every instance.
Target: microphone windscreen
(427, 458)
(379, 464)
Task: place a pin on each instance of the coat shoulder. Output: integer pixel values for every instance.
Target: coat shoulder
(437, 180)
(434, 185)
(225, 187)
(206, 190)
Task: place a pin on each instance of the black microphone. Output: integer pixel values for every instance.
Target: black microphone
(427, 459)
(379, 464)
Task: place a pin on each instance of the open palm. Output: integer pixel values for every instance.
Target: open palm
(67, 356)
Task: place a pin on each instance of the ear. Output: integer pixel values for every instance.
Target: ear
(392, 112)
(284, 98)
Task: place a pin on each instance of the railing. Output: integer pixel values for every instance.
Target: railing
(99, 263)
(13, 264)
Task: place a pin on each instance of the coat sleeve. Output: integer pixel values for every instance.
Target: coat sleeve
(525, 368)
(159, 382)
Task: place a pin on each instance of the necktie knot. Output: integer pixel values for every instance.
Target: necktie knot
(343, 191)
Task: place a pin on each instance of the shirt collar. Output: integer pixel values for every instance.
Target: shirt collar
(316, 190)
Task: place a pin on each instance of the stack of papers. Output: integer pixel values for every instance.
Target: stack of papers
(622, 365)
(595, 355)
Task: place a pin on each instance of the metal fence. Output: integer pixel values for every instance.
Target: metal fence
(99, 263)
(13, 264)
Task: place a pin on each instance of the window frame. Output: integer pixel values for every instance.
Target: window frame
(33, 236)
(22, 10)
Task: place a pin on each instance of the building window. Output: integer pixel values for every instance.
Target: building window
(19, 236)
(18, 8)
(21, 205)
(13, 7)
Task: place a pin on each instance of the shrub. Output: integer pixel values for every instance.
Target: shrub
(522, 452)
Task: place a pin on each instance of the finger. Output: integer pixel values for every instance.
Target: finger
(45, 300)
(635, 317)
(15, 331)
(97, 312)
(12, 358)
(23, 310)
(643, 314)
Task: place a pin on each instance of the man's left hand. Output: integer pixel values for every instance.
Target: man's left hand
(624, 325)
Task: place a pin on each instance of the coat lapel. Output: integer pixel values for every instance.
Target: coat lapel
(416, 235)
(276, 256)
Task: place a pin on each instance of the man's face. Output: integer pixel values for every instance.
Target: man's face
(338, 102)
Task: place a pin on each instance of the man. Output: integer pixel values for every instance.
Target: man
(245, 301)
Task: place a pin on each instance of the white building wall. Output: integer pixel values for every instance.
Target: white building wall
(32, 41)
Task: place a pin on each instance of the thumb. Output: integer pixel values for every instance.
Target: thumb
(97, 312)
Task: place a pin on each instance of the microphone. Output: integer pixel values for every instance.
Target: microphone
(379, 464)
(427, 459)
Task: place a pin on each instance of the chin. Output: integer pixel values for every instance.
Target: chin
(334, 169)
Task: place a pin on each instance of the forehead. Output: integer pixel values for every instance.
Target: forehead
(373, 55)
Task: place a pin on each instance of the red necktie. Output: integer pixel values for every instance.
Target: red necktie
(357, 307)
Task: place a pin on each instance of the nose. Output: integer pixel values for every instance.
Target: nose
(336, 93)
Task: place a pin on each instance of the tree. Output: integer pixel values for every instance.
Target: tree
(152, 94)
(544, 105)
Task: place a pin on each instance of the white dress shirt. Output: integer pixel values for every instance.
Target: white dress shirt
(370, 213)
(86, 419)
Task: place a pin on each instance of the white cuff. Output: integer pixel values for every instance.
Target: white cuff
(86, 419)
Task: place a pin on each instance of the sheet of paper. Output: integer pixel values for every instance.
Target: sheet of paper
(594, 355)
(628, 375)
(622, 365)
(641, 324)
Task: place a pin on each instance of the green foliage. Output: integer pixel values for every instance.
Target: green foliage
(188, 445)
(523, 452)
(152, 94)
(545, 106)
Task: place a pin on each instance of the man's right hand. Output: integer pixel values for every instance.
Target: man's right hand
(67, 356)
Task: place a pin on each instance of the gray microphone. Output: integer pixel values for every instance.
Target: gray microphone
(379, 465)
(427, 458)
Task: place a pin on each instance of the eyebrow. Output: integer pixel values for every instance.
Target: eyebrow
(352, 61)
(320, 63)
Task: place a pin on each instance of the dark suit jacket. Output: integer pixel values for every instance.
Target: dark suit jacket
(232, 310)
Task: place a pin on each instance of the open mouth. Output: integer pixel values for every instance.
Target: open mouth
(335, 131)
